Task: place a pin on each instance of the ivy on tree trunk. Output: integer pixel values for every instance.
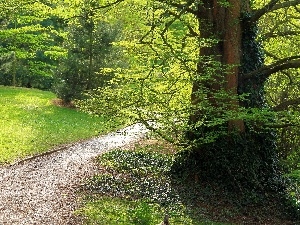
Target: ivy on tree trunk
(240, 156)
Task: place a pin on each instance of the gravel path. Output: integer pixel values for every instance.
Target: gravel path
(42, 190)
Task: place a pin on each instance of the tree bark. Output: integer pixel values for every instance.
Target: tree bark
(242, 159)
(222, 23)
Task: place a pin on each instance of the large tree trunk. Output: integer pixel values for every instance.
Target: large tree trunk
(241, 157)
(223, 24)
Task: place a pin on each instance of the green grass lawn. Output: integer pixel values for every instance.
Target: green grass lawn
(31, 124)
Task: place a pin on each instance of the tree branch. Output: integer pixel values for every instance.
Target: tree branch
(284, 105)
(181, 6)
(108, 5)
(285, 5)
(283, 64)
(272, 6)
(281, 34)
(284, 72)
(260, 12)
(284, 125)
(193, 33)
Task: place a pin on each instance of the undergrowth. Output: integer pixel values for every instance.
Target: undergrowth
(138, 184)
(136, 187)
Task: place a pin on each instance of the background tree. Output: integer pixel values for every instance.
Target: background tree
(90, 49)
(31, 32)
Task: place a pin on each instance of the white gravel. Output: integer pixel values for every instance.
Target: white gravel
(41, 190)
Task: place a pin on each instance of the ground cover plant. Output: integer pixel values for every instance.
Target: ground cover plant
(135, 186)
(30, 123)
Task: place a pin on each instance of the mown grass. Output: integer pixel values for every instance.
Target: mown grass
(116, 211)
(31, 124)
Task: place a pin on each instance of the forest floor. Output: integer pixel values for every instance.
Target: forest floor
(42, 189)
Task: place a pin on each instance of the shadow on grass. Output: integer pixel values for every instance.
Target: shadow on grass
(143, 177)
(137, 183)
